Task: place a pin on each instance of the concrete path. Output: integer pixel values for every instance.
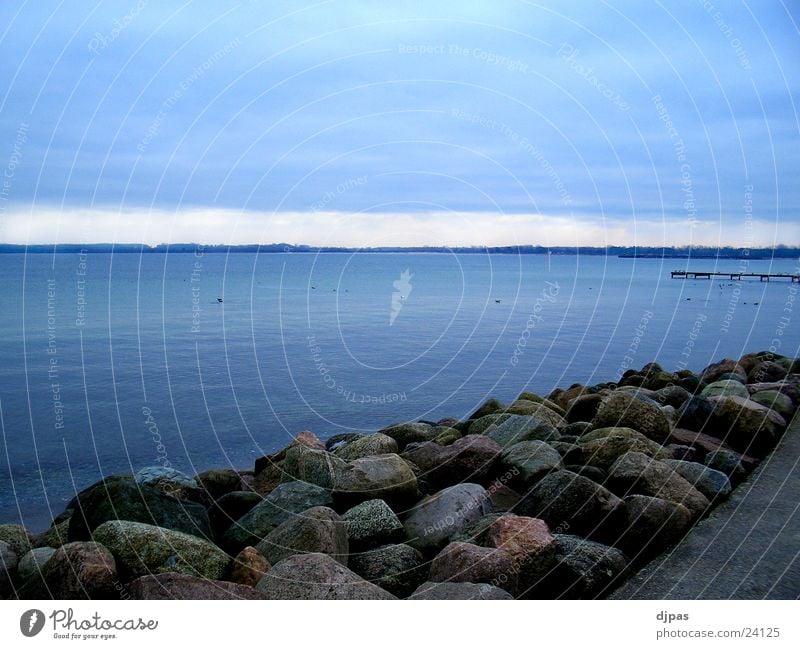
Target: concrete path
(748, 548)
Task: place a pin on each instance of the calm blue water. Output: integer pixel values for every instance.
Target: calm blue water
(115, 362)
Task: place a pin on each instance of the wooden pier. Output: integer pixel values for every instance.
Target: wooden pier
(762, 277)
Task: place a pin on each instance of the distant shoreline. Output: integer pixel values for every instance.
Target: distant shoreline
(622, 252)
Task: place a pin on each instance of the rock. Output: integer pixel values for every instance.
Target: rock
(317, 576)
(727, 388)
(8, 567)
(488, 407)
(398, 568)
(531, 547)
(658, 380)
(595, 474)
(447, 436)
(55, 536)
(461, 561)
(576, 429)
(169, 481)
(751, 428)
(570, 453)
(266, 480)
(633, 411)
(726, 366)
(284, 502)
(124, 499)
(585, 569)
(713, 484)
(684, 452)
(636, 473)
(476, 531)
(405, 434)
(788, 387)
(142, 549)
(696, 414)
(433, 520)
(603, 446)
(316, 530)
(487, 422)
(767, 372)
(32, 562)
(370, 524)
(539, 410)
(777, 401)
(584, 407)
(305, 438)
(386, 477)
(469, 459)
(531, 461)
(312, 465)
(375, 444)
(514, 429)
(335, 442)
(653, 525)
(172, 585)
(17, 537)
(701, 441)
(459, 591)
(673, 395)
(570, 502)
(728, 463)
(530, 396)
(249, 566)
(229, 508)
(504, 498)
(79, 570)
(218, 482)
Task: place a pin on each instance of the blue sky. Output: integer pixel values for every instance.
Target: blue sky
(355, 123)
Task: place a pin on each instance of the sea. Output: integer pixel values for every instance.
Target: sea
(114, 362)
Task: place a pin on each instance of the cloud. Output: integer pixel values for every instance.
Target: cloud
(361, 229)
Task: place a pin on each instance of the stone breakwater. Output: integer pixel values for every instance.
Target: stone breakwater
(557, 496)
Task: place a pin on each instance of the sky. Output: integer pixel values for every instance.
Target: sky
(406, 123)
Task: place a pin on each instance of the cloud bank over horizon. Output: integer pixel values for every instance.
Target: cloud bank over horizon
(419, 123)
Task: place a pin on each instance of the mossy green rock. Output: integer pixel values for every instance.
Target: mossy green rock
(17, 538)
(725, 388)
(142, 549)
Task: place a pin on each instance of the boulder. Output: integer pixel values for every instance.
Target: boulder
(79, 570)
(751, 428)
(789, 387)
(570, 502)
(728, 463)
(488, 407)
(529, 544)
(460, 561)
(312, 465)
(124, 499)
(575, 430)
(405, 434)
(767, 372)
(142, 549)
(169, 481)
(32, 562)
(8, 568)
(447, 436)
(684, 452)
(305, 438)
(530, 461)
(627, 410)
(776, 401)
(316, 530)
(458, 591)
(636, 473)
(603, 446)
(375, 444)
(172, 585)
(713, 484)
(469, 459)
(530, 396)
(487, 422)
(370, 524)
(595, 474)
(55, 536)
(284, 502)
(386, 477)
(504, 498)
(584, 407)
(653, 525)
(249, 566)
(335, 442)
(317, 576)
(229, 508)
(697, 414)
(218, 482)
(434, 519)
(673, 395)
(725, 388)
(520, 428)
(539, 410)
(397, 568)
(570, 453)
(585, 569)
(17, 537)
(726, 366)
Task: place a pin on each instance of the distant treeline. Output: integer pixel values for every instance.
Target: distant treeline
(694, 252)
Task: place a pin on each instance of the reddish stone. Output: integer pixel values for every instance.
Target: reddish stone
(171, 585)
(249, 567)
(466, 562)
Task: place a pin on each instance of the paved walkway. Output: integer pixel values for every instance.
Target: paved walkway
(748, 548)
